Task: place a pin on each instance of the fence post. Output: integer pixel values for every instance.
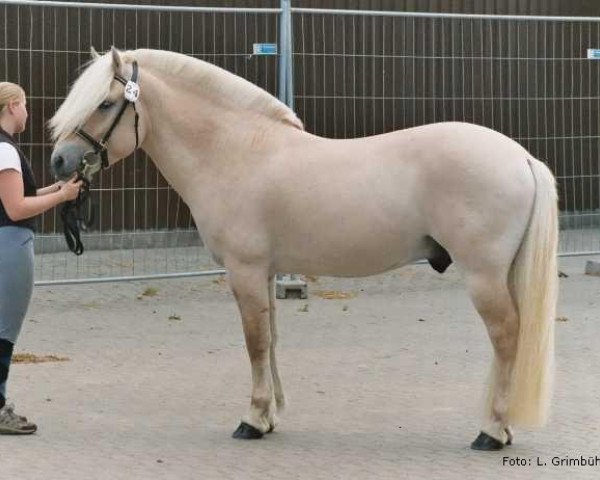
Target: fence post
(283, 51)
(287, 18)
(288, 282)
(286, 61)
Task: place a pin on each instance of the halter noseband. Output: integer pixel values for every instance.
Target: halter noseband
(100, 147)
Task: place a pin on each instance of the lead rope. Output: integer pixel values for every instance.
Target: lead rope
(74, 217)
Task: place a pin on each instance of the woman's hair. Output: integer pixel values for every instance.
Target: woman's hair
(10, 92)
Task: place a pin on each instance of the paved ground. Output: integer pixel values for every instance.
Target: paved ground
(383, 385)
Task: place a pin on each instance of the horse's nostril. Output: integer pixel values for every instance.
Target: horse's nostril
(58, 161)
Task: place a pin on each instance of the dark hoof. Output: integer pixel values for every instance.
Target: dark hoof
(271, 428)
(247, 432)
(486, 443)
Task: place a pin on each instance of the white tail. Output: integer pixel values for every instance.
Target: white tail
(533, 282)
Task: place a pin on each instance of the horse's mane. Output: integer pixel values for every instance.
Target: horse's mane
(93, 85)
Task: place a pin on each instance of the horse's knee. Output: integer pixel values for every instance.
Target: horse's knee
(257, 331)
(259, 348)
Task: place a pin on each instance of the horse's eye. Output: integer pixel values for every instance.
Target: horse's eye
(105, 105)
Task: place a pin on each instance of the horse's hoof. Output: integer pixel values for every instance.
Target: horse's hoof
(247, 432)
(271, 428)
(486, 443)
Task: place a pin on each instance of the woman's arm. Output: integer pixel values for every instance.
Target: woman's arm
(55, 187)
(19, 207)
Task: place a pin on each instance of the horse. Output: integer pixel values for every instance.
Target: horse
(267, 196)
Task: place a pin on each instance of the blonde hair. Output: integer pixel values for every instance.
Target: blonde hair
(10, 92)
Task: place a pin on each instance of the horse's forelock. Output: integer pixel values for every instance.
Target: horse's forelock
(87, 92)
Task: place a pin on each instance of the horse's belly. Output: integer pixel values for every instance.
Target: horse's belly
(351, 223)
(342, 267)
(343, 255)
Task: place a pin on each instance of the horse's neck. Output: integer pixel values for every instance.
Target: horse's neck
(193, 137)
(207, 152)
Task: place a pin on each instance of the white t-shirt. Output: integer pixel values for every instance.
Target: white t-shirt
(9, 157)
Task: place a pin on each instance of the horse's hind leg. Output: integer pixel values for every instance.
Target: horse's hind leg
(493, 301)
(278, 389)
(250, 286)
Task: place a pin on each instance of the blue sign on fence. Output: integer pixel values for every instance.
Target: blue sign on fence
(265, 49)
(593, 53)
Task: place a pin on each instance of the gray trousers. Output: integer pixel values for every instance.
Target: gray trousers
(16, 279)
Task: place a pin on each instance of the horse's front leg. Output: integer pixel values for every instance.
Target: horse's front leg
(250, 286)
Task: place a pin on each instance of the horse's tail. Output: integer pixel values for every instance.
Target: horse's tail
(533, 282)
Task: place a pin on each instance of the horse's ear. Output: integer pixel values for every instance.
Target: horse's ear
(95, 55)
(116, 59)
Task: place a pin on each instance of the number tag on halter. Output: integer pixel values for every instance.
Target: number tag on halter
(132, 91)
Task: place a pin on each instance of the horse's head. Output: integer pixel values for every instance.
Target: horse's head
(102, 119)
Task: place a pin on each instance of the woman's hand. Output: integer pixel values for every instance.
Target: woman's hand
(70, 189)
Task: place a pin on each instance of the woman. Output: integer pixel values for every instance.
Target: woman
(20, 201)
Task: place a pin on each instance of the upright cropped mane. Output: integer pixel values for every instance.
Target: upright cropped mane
(92, 87)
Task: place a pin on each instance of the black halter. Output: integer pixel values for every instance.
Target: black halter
(100, 147)
(73, 216)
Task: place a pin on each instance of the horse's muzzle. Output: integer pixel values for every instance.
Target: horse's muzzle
(65, 160)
